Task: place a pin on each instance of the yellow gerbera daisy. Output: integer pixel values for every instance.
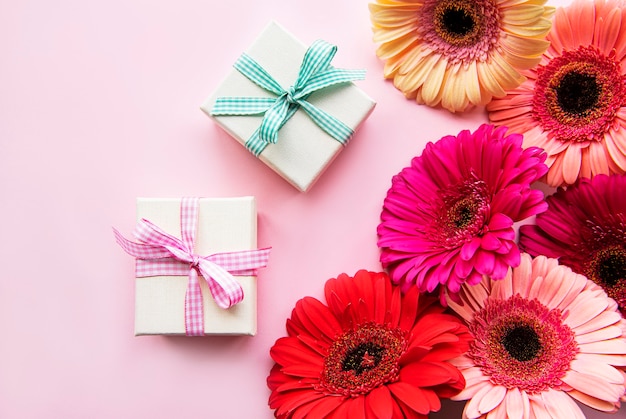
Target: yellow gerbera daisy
(459, 53)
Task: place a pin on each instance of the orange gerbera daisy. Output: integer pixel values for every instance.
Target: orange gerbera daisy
(459, 52)
(573, 105)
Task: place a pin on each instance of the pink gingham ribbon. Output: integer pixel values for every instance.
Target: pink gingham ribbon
(160, 253)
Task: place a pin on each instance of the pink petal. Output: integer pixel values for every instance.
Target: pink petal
(598, 404)
(593, 386)
(560, 405)
(469, 248)
(492, 399)
(601, 370)
(514, 404)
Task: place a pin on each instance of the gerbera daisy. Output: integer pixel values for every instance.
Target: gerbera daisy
(573, 104)
(369, 352)
(543, 337)
(448, 218)
(459, 52)
(585, 228)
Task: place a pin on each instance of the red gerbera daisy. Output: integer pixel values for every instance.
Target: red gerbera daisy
(585, 228)
(370, 352)
(448, 218)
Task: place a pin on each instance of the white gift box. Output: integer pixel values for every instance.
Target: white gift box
(224, 225)
(303, 150)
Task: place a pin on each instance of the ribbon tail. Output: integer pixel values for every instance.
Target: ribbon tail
(140, 250)
(194, 310)
(224, 287)
(255, 145)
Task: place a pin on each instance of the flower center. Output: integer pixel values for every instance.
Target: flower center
(609, 266)
(578, 94)
(362, 359)
(460, 30)
(521, 343)
(462, 214)
(457, 24)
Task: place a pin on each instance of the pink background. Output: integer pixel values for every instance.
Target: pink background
(99, 104)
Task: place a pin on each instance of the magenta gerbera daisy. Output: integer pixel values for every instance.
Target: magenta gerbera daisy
(543, 337)
(585, 228)
(448, 218)
(573, 104)
(370, 352)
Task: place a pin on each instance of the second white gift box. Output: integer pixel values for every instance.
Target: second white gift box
(225, 230)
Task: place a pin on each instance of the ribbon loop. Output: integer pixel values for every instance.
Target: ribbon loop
(315, 74)
(160, 253)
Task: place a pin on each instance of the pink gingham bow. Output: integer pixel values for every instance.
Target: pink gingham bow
(160, 253)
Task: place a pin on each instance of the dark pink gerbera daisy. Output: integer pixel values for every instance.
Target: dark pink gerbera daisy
(448, 218)
(585, 228)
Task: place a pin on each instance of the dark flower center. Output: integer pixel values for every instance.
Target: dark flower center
(522, 343)
(462, 214)
(457, 21)
(578, 95)
(362, 359)
(608, 267)
(577, 92)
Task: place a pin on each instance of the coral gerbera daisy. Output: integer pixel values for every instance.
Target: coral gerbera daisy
(573, 104)
(543, 337)
(448, 218)
(585, 228)
(459, 52)
(369, 352)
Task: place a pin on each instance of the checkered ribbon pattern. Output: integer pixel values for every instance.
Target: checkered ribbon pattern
(315, 74)
(160, 253)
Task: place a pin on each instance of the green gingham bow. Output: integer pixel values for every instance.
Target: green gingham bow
(315, 74)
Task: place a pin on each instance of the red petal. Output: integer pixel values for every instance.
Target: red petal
(382, 290)
(288, 351)
(414, 354)
(294, 400)
(381, 403)
(317, 318)
(409, 309)
(425, 374)
(429, 330)
(324, 407)
(412, 396)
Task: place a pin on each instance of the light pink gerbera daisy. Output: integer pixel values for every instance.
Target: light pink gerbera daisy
(585, 229)
(459, 53)
(543, 337)
(448, 218)
(573, 103)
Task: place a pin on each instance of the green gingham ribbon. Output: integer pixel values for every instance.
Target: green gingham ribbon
(315, 74)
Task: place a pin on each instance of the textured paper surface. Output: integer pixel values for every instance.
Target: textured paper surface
(224, 225)
(303, 150)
